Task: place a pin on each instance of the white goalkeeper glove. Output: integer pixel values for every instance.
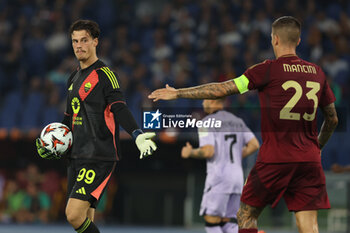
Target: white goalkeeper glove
(144, 143)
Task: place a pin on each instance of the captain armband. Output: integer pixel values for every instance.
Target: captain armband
(242, 83)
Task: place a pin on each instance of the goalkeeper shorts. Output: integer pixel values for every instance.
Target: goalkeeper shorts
(87, 179)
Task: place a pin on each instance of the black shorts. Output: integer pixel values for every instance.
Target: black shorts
(87, 179)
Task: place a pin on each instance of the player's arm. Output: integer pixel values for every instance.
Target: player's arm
(217, 90)
(203, 152)
(251, 147)
(68, 112)
(143, 140)
(67, 118)
(209, 91)
(122, 114)
(205, 91)
(42, 151)
(329, 124)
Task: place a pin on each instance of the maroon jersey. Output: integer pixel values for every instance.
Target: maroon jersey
(290, 90)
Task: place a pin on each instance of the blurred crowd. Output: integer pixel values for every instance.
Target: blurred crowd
(149, 43)
(152, 43)
(30, 195)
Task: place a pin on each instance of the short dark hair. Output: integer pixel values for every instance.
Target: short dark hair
(90, 26)
(288, 28)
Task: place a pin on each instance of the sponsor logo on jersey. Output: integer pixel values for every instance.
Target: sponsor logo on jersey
(76, 108)
(81, 191)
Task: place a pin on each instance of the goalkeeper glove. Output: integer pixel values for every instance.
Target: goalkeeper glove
(43, 152)
(144, 143)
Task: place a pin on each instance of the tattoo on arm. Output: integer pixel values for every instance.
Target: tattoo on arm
(247, 216)
(209, 91)
(329, 124)
(198, 154)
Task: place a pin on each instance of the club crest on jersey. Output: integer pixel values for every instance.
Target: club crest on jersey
(87, 87)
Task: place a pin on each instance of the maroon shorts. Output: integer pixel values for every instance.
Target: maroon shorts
(302, 185)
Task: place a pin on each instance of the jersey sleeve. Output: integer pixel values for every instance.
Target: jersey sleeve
(205, 137)
(257, 75)
(111, 85)
(68, 110)
(327, 95)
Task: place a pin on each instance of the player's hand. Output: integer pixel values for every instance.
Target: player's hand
(43, 152)
(145, 144)
(186, 150)
(167, 93)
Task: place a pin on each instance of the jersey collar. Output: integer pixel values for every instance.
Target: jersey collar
(288, 55)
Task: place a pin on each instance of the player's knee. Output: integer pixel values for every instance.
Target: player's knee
(248, 213)
(306, 227)
(212, 219)
(69, 215)
(245, 217)
(240, 216)
(74, 217)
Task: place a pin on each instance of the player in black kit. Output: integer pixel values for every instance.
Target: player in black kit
(95, 108)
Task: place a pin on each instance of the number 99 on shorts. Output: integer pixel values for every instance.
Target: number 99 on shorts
(87, 175)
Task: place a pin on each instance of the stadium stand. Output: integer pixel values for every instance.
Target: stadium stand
(149, 44)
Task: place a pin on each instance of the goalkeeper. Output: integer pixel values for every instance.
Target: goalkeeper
(95, 108)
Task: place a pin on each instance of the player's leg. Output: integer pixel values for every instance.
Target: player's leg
(229, 222)
(306, 194)
(213, 208)
(307, 221)
(80, 215)
(91, 214)
(229, 225)
(247, 218)
(254, 193)
(76, 211)
(266, 184)
(90, 179)
(212, 224)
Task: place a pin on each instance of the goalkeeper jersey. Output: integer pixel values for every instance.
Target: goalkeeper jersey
(91, 93)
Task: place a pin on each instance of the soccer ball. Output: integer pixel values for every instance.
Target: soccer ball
(57, 138)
